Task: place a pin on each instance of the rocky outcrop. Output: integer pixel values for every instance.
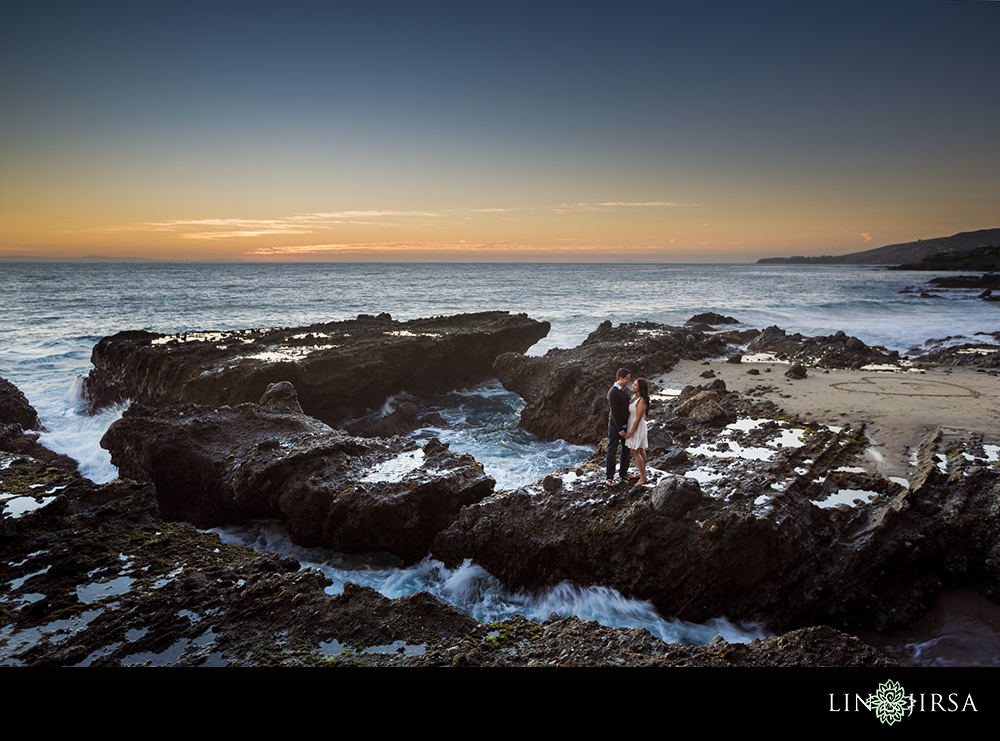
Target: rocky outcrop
(19, 426)
(960, 351)
(94, 577)
(15, 409)
(340, 369)
(269, 460)
(565, 391)
(14, 440)
(770, 536)
(834, 351)
(984, 286)
(711, 319)
(403, 420)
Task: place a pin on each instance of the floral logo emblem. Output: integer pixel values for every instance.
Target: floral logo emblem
(890, 702)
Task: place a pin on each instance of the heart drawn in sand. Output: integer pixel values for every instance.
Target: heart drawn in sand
(895, 386)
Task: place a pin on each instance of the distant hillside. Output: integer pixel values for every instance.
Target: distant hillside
(983, 259)
(894, 254)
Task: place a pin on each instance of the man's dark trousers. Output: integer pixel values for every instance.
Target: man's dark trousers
(614, 440)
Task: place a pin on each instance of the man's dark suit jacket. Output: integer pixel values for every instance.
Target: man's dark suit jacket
(618, 401)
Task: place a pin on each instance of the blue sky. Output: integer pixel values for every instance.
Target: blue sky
(687, 131)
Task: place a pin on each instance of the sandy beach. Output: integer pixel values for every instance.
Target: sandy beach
(899, 408)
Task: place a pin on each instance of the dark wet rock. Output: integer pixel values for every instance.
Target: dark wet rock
(340, 369)
(796, 372)
(950, 351)
(258, 461)
(833, 351)
(708, 374)
(103, 581)
(15, 409)
(571, 642)
(760, 541)
(19, 428)
(669, 457)
(984, 259)
(14, 440)
(403, 420)
(775, 340)
(712, 318)
(813, 646)
(988, 281)
(281, 397)
(675, 496)
(565, 391)
(95, 578)
(732, 337)
(735, 359)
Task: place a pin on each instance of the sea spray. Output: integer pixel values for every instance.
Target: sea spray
(472, 589)
(70, 430)
(483, 422)
(78, 435)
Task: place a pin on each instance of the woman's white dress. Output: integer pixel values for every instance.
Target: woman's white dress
(638, 439)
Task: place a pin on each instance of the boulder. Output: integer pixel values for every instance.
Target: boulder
(269, 460)
(340, 369)
(712, 319)
(675, 496)
(834, 351)
(15, 409)
(703, 407)
(403, 420)
(762, 542)
(565, 391)
(796, 372)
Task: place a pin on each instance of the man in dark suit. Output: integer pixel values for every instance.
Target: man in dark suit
(618, 397)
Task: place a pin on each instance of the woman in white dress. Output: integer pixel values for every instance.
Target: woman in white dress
(635, 438)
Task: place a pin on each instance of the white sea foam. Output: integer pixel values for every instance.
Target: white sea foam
(78, 435)
(846, 496)
(396, 469)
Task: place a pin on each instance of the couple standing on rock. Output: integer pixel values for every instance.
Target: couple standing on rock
(627, 426)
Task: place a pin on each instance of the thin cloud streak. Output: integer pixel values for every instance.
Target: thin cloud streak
(313, 222)
(369, 247)
(245, 234)
(649, 203)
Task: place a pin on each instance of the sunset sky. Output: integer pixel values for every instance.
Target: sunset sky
(581, 131)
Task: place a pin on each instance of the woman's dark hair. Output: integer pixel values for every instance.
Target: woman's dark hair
(644, 393)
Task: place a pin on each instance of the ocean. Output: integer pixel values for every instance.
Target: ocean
(54, 313)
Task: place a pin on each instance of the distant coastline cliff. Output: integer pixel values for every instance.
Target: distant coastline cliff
(908, 252)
